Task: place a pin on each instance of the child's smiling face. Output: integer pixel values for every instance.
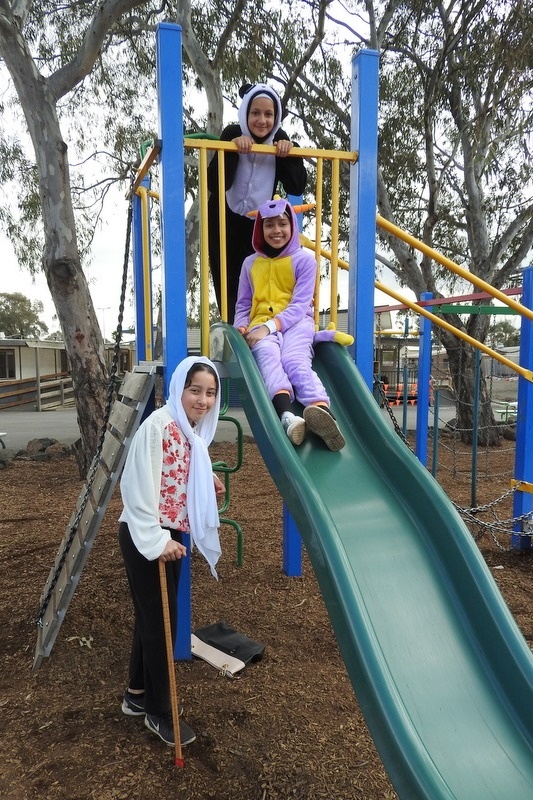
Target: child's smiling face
(277, 231)
(199, 396)
(261, 116)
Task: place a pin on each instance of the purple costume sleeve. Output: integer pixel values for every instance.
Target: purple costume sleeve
(243, 305)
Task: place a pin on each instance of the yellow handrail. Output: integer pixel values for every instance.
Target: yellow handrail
(526, 373)
(299, 152)
(144, 193)
(453, 267)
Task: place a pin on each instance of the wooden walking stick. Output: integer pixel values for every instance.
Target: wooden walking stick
(178, 760)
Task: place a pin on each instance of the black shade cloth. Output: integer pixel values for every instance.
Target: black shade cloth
(232, 642)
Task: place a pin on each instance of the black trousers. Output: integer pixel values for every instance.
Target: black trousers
(238, 245)
(148, 668)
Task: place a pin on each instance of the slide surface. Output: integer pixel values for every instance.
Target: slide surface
(440, 669)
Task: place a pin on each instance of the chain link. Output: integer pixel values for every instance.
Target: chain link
(504, 527)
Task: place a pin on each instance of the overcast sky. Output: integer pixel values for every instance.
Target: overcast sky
(104, 275)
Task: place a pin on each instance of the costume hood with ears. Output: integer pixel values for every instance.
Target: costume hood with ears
(249, 92)
(275, 208)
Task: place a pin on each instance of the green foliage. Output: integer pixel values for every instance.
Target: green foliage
(19, 317)
(455, 114)
(503, 334)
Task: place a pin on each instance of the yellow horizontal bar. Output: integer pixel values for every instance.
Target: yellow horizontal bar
(309, 152)
(306, 242)
(451, 265)
(525, 373)
(523, 486)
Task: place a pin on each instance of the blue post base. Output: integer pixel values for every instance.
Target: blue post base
(521, 541)
(292, 546)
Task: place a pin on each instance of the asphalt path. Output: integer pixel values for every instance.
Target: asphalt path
(21, 426)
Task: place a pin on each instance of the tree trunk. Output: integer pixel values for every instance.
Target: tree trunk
(61, 259)
(70, 292)
(461, 361)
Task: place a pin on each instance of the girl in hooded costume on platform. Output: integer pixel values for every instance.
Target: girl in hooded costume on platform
(251, 179)
(274, 312)
(169, 493)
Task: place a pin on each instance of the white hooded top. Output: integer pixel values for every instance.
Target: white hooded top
(256, 172)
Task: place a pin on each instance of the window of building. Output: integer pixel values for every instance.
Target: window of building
(7, 364)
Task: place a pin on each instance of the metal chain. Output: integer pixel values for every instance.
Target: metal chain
(111, 390)
(388, 408)
(468, 514)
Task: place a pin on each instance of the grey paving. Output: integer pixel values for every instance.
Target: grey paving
(21, 426)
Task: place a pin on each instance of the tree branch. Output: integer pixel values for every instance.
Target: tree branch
(66, 78)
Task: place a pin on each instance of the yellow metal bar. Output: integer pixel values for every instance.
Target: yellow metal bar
(305, 241)
(523, 486)
(299, 152)
(204, 257)
(147, 277)
(453, 267)
(525, 373)
(333, 278)
(222, 235)
(318, 229)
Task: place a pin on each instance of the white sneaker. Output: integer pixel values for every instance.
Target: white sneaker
(294, 427)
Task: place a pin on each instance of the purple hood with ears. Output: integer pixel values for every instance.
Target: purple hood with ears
(276, 208)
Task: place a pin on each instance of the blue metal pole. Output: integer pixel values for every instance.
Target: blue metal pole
(292, 541)
(523, 501)
(173, 277)
(138, 274)
(363, 203)
(424, 378)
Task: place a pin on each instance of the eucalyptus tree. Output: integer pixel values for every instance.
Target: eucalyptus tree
(49, 51)
(455, 114)
(455, 121)
(457, 173)
(84, 80)
(20, 317)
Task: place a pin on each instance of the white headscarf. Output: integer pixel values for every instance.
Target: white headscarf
(201, 498)
(255, 176)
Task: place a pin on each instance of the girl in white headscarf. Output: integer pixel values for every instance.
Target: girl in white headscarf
(169, 492)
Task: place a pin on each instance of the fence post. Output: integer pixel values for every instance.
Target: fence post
(523, 501)
(422, 392)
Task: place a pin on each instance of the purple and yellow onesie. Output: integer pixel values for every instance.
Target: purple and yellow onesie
(276, 289)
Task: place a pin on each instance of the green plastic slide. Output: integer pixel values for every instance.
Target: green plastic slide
(440, 669)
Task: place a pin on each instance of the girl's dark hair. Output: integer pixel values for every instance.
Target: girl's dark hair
(199, 366)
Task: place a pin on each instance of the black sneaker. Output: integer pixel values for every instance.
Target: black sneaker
(321, 422)
(133, 704)
(162, 727)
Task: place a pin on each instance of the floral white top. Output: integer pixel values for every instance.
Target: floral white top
(154, 483)
(174, 477)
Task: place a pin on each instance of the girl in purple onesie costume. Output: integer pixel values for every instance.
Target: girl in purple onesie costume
(274, 312)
